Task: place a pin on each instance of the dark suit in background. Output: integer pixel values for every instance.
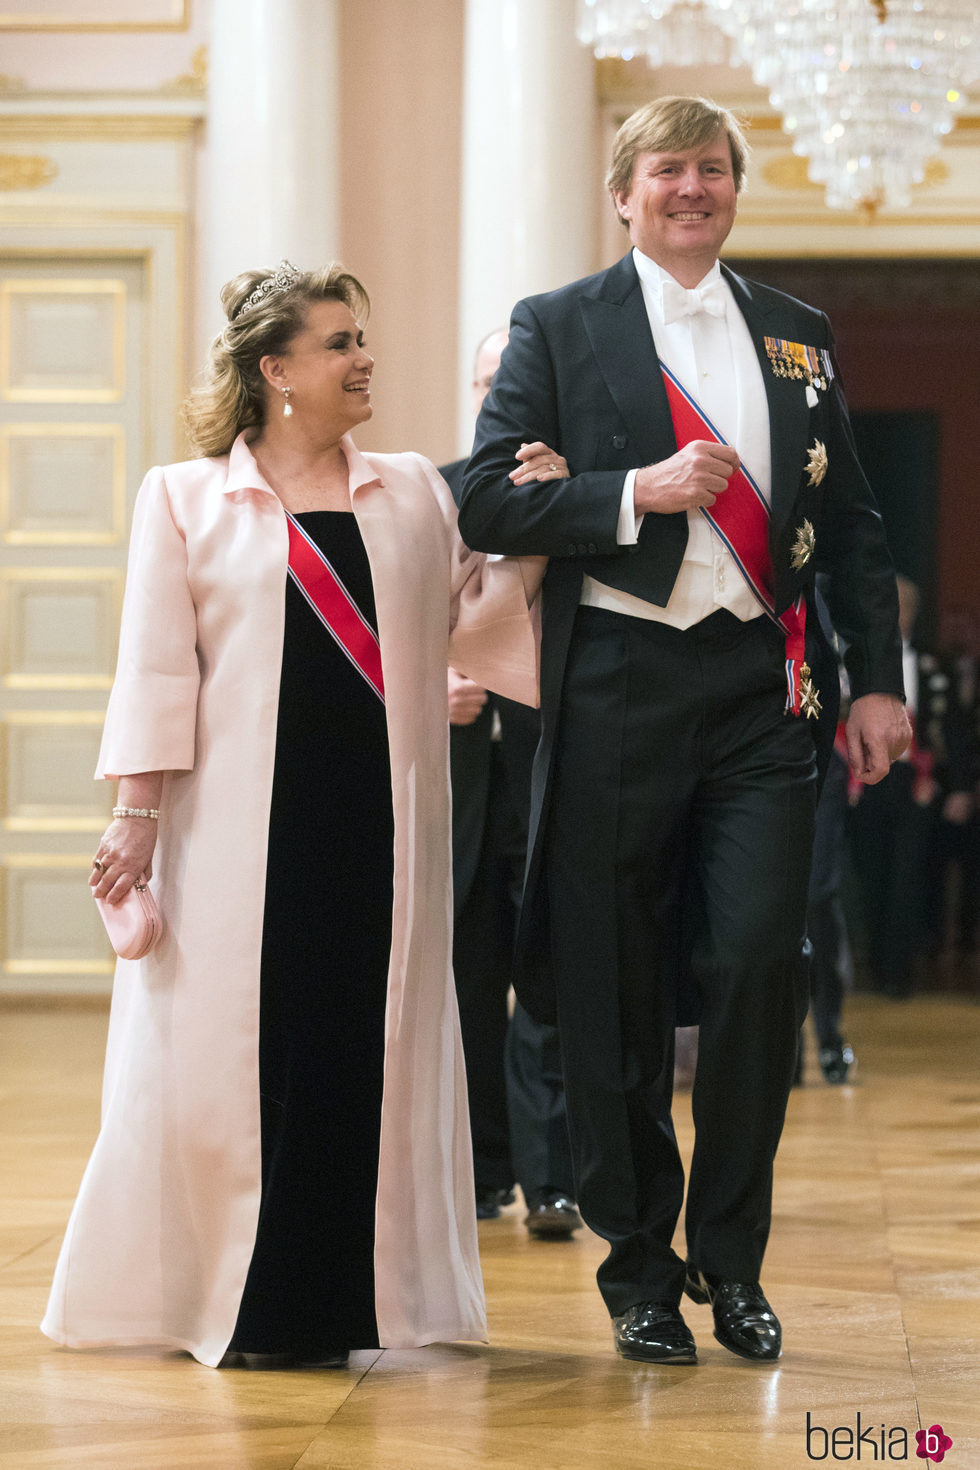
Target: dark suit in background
(899, 836)
(513, 1067)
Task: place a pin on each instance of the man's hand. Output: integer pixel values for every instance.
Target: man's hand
(878, 731)
(695, 475)
(466, 699)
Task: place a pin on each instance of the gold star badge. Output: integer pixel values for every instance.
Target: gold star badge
(816, 462)
(803, 547)
(809, 695)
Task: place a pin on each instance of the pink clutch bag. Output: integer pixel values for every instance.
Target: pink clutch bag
(134, 924)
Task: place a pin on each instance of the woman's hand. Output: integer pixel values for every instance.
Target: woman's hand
(538, 462)
(126, 851)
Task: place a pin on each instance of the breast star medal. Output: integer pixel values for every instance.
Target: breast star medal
(816, 462)
(803, 547)
(809, 695)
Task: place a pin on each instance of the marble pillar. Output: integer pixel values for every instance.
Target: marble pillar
(270, 166)
(529, 181)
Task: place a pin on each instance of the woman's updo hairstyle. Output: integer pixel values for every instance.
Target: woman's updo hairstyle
(265, 311)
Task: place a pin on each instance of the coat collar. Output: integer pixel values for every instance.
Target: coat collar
(244, 472)
(618, 328)
(362, 472)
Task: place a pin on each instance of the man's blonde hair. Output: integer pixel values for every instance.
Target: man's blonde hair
(673, 125)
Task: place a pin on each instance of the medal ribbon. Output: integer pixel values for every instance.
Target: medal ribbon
(740, 516)
(333, 605)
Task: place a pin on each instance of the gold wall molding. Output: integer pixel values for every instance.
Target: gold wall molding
(77, 127)
(111, 581)
(90, 218)
(13, 392)
(193, 83)
(790, 171)
(59, 967)
(91, 820)
(170, 15)
(806, 224)
(26, 170)
(20, 865)
(115, 527)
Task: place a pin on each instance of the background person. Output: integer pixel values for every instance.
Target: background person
(284, 1164)
(513, 1065)
(894, 825)
(670, 780)
(831, 958)
(951, 722)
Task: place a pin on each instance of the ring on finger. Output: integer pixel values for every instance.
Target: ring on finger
(96, 864)
(552, 467)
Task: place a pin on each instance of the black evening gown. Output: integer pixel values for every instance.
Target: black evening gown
(325, 949)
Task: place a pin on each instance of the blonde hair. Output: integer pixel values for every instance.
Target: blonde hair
(231, 395)
(673, 125)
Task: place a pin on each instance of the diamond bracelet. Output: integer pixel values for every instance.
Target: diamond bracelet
(136, 811)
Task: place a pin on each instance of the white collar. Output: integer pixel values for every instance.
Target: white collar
(652, 276)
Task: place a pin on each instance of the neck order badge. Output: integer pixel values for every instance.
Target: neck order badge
(741, 518)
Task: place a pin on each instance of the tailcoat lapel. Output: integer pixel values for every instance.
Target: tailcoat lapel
(788, 412)
(618, 329)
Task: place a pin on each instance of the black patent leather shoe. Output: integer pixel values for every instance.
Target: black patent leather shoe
(654, 1332)
(745, 1323)
(551, 1215)
(836, 1063)
(489, 1201)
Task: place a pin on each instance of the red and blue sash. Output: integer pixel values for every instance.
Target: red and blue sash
(338, 612)
(740, 516)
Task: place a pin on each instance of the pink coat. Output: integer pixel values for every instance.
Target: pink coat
(161, 1235)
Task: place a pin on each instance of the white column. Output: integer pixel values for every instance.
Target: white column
(270, 171)
(528, 191)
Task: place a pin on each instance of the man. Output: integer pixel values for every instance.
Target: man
(894, 827)
(513, 1069)
(951, 720)
(673, 797)
(831, 960)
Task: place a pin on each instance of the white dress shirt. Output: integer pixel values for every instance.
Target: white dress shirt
(910, 673)
(713, 356)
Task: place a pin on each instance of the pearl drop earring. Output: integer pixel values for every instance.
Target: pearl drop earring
(287, 408)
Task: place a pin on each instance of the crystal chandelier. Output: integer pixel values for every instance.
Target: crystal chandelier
(867, 88)
(666, 32)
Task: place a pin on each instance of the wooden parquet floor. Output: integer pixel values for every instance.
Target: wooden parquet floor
(873, 1266)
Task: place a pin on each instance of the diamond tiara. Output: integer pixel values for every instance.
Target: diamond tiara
(283, 277)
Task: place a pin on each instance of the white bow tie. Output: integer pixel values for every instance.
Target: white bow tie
(680, 302)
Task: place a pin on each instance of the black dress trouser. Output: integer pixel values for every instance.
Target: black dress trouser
(513, 1065)
(830, 963)
(680, 831)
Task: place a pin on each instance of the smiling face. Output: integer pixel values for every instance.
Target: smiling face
(327, 370)
(681, 206)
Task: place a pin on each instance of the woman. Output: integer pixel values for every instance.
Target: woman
(300, 856)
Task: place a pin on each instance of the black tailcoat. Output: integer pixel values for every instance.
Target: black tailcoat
(580, 372)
